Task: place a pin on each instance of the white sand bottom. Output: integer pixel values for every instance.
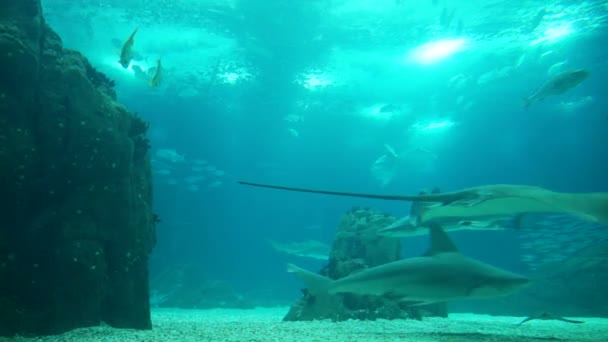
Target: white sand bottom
(264, 324)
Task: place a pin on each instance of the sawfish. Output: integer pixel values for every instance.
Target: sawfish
(547, 317)
(488, 200)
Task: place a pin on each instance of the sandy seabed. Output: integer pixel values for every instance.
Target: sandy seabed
(264, 324)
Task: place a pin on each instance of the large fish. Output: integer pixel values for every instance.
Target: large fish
(307, 249)
(157, 76)
(490, 200)
(410, 225)
(126, 52)
(405, 227)
(442, 274)
(557, 85)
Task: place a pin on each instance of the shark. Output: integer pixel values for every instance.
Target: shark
(557, 85)
(489, 200)
(442, 274)
(410, 225)
(405, 227)
(307, 249)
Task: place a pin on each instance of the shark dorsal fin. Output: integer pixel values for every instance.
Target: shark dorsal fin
(440, 241)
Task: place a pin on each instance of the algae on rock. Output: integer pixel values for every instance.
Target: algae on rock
(76, 221)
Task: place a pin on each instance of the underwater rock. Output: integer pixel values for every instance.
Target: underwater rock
(76, 221)
(357, 246)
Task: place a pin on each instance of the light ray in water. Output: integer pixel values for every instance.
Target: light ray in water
(436, 51)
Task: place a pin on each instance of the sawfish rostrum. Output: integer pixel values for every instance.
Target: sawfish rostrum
(489, 201)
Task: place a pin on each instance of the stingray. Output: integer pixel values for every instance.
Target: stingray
(549, 317)
(489, 200)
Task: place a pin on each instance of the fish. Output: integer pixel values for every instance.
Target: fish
(126, 52)
(308, 249)
(508, 199)
(540, 242)
(442, 274)
(537, 20)
(547, 316)
(489, 200)
(170, 155)
(557, 85)
(158, 75)
(405, 228)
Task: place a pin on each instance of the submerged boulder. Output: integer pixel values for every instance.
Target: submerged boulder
(357, 247)
(76, 221)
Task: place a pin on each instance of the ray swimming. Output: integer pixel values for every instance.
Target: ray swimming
(488, 200)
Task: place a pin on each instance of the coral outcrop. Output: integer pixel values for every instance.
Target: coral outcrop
(357, 246)
(76, 224)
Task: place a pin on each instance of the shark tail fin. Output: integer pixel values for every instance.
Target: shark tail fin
(317, 284)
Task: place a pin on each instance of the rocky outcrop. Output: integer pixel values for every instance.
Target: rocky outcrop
(76, 224)
(357, 246)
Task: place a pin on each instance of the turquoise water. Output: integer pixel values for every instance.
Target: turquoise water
(322, 93)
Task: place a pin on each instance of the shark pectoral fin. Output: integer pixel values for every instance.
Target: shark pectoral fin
(409, 302)
(471, 290)
(405, 300)
(423, 303)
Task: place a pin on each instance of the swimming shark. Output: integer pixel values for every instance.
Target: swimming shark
(405, 227)
(557, 85)
(490, 200)
(308, 249)
(411, 226)
(442, 274)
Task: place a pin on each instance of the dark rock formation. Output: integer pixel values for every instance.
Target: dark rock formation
(186, 287)
(76, 225)
(357, 246)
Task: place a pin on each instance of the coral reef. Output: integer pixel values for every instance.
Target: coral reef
(357, 246)
(76, 224)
